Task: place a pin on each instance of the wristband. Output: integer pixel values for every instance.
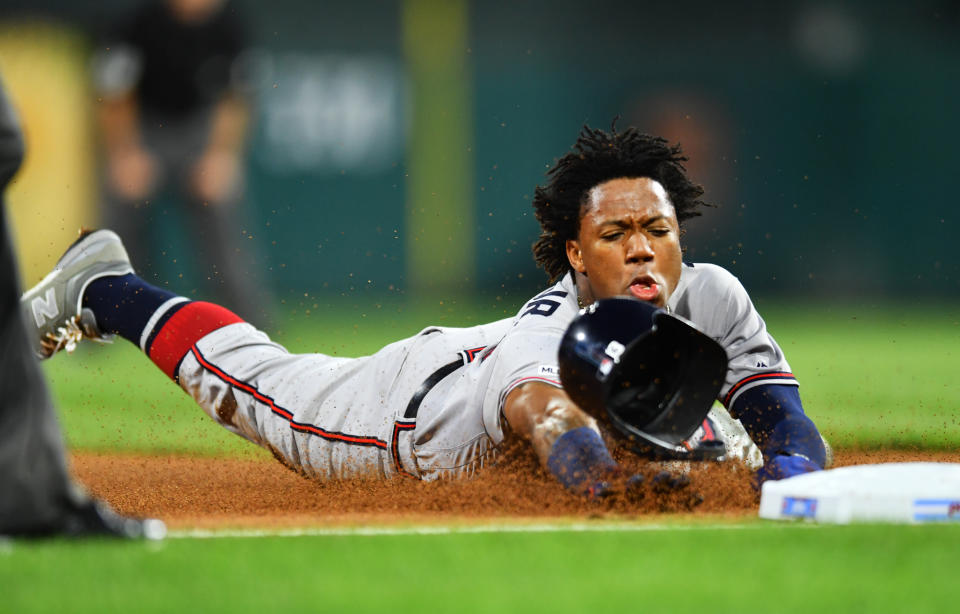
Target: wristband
(579, 456)
(773, 416)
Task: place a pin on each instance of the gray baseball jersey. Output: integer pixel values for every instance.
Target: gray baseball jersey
(431, 406)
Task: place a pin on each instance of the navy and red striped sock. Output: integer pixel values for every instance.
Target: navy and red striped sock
(159, 322)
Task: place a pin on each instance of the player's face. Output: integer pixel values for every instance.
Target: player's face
(629, 242)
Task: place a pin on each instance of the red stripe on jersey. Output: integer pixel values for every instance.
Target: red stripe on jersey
(286, 414)
(753, 378)
(472, 353)
(524, 380)
(190, 324)
(395, 448)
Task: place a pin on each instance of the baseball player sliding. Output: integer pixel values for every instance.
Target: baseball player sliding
(438, 404)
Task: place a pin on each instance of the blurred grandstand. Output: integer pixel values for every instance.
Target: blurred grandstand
(397, 143)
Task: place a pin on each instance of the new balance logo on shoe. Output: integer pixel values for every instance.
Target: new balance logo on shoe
(45, 307)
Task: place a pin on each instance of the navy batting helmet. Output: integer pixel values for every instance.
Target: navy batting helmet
(653, 374)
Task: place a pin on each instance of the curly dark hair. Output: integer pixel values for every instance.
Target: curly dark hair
(597, 157)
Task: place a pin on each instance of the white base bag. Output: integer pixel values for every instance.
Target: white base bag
(907, 493)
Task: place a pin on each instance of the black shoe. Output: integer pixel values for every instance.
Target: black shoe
(95, 518)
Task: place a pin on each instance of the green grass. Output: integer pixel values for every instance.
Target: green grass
(758, 567)
(876, 376)
(871, 376)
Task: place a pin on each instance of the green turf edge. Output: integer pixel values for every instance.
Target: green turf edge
(783, 567)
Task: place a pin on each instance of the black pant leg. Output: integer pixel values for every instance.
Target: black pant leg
(35, 487)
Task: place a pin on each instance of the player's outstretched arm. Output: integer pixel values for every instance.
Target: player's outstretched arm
(773, 416)
(565, 438)
(543, 413)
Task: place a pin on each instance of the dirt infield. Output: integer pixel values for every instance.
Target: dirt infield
(213, 493)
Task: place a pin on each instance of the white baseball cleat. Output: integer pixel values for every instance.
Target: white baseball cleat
(52, 310)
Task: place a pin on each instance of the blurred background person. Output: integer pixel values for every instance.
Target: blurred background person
(174, 119)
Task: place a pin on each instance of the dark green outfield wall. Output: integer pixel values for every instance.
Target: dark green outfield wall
(827, 135)
(833, 176)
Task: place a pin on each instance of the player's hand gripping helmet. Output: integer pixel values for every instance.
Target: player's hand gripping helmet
(653, 374)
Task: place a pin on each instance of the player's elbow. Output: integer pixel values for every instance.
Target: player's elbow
(543, 413)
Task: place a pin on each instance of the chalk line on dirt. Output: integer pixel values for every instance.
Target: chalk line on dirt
(453, 530)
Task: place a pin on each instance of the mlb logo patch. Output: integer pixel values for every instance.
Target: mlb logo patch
(552, 371)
